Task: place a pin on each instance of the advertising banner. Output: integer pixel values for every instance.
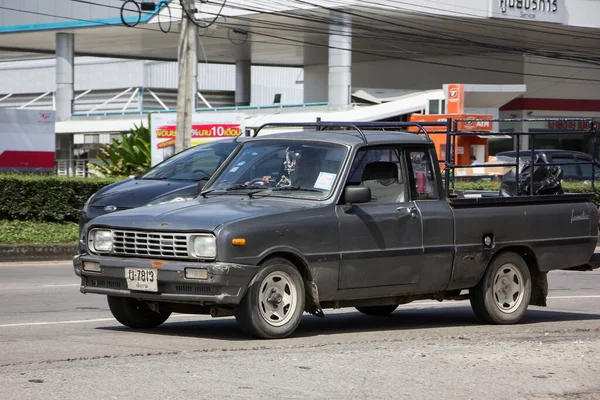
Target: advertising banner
(205, 127)
(27, 140)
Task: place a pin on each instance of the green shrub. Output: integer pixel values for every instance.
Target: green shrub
(128, 155)
(13, 232)
(46, 198)
(569, 187)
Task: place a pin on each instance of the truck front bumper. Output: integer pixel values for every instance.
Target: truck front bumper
(226, 283)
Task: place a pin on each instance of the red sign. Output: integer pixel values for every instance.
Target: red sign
(199, 131)
(471, 123)
(567, 125)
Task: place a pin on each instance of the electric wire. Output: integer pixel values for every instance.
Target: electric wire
(304, 43)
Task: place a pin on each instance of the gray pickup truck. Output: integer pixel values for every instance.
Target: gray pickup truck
(333, 216)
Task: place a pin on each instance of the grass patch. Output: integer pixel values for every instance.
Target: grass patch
(19, 232)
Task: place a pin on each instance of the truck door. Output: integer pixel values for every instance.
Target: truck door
(437, 218)
(381, 242)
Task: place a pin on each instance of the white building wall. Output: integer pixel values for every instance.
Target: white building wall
(428, 74)
(100, 74)
(315, 83)
(268, 81)
(108, 74)
(27, 77)
(547, 87)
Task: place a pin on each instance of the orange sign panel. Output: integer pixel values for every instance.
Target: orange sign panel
(469, 125)
(456, 99)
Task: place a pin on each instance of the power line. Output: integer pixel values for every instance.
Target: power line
(302, 43)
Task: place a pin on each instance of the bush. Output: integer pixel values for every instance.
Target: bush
(128, 155)
(569, 187)
(46, 198)
(13, 232)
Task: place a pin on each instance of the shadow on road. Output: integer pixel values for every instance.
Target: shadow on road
(351, 322)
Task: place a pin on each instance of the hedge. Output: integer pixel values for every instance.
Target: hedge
(14, 232)
(60, 199)
(46, 198)
(569, 187)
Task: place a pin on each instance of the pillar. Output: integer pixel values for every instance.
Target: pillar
(242, 82)
(340, 62)
(65, 68)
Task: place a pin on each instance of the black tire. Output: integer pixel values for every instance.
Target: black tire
(254, 310)
(135, 313)
(378, 311)
(507, 301)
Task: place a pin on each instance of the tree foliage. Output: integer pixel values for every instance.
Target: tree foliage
(128, 155)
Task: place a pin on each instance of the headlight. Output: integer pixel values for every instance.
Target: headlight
(100, 241)
(203, 246)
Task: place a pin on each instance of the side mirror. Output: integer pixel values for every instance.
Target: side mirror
(357, 194)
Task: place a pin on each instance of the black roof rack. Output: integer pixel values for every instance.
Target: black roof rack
(356, 126)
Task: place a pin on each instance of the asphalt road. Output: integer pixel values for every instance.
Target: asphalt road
(56, 343)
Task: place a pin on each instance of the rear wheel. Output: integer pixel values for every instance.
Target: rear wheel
(274, 303)
(136, 313)
(378, 311)
(503, 294)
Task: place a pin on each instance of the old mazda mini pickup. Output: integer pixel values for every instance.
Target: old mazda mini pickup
(335, 215)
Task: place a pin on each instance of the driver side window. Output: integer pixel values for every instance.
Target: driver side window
(381, 170)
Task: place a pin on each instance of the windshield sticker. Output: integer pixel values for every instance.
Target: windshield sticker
(234, 169)
(325, 181)
(241, 163)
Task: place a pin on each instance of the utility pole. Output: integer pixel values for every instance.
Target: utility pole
(187, 79)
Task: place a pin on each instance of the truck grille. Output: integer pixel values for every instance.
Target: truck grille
(150, 244)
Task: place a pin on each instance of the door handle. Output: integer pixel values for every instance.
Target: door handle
(412, 210)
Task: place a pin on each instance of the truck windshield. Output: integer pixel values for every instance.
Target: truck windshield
(283, 168)
(198, 162)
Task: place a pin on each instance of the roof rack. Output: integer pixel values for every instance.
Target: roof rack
(356, 126)
(587, 127)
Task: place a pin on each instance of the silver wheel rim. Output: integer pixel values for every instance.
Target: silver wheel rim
(277, 298)
(508, 288)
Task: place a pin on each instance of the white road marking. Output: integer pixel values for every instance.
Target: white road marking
(82, 321)
(420, 303)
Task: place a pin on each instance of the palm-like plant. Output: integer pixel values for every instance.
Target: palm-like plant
(128, 155)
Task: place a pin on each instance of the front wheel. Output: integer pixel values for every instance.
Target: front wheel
(136, 313)
(274, 303)
(503, 294)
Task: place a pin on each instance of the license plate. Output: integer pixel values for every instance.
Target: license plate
(141, 279)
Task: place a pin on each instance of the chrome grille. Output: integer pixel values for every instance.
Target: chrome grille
(150, 244)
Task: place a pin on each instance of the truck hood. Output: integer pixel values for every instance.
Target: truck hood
(199, 214)
(132, 193)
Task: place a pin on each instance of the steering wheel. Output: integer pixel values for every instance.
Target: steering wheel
(206, 174)
(261, 182)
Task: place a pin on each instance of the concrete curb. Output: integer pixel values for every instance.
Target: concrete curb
(37, 252)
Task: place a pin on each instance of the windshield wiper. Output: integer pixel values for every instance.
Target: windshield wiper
(297, 188)
(242, 186)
